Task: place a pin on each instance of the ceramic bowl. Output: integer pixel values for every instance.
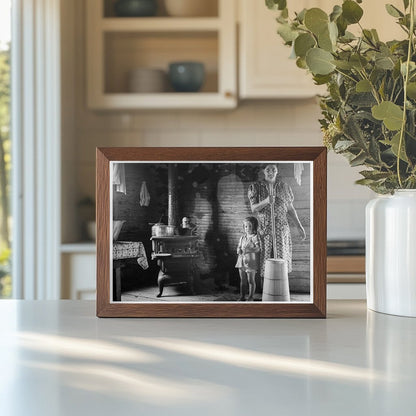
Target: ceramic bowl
(186, 76)
(135, 8)
(147, 80)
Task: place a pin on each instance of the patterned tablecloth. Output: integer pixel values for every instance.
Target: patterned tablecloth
(130, 250)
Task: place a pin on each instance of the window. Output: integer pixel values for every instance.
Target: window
(5, 147)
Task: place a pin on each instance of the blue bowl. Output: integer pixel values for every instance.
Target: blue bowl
(135, 8)
(186, 76)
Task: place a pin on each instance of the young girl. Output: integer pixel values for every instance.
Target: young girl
(248, 257)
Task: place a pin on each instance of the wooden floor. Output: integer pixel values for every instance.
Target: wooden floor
(180, 293)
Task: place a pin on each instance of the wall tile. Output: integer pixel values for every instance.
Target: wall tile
(157, 118)
(202, 120)
(167, 138)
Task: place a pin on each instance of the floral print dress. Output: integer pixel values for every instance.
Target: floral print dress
(284, 198)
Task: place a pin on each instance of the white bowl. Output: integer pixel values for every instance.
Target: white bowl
(147, 80)
(191, 8)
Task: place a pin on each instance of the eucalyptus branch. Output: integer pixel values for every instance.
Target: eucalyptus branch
(406, 79)
(392, 90)
(346, 75)
(373, 88)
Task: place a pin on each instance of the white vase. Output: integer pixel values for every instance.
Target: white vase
(391, 253)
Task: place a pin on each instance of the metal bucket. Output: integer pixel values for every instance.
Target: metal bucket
(276, 281)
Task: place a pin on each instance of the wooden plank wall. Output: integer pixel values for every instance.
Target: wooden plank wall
(215, 196)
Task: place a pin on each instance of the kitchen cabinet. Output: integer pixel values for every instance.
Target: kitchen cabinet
(265, 70)
(118, 45)
(78, 263)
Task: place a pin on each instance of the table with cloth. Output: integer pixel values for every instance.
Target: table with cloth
(124, 250)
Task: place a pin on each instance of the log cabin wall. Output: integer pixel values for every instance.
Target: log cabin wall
(215, 197)
(219, 204)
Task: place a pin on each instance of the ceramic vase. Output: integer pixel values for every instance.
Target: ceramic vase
(391, 253)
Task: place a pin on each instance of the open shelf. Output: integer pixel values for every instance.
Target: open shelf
(210, 9)
(126, 51)
(160, 24)
(118, 45)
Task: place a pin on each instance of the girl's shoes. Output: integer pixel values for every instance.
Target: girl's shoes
(242, 299)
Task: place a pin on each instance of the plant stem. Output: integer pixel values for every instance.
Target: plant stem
(406, 79)
(346, 75)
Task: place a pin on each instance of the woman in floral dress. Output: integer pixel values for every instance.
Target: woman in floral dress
(261, 196)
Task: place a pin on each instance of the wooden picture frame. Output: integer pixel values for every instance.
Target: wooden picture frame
(217, 172)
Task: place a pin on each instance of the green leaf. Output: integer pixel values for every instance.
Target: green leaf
(285, 13)
(301, 15)
(303, 43)
(359, 160)
(301, 63)
(375, 35)
(363, 86)
(351, 11)
(316, 20)
(374, 174)
(343, 145)
(287, 33)
(393, 11)
(412, 67)
(344, 65)
(319, 61)
(374, 150)
(368, 36)
(276, 4)
(411, 90)
(353, 131)
(394, 143)
(406, 4)
(325, 42)
(391, 114)
(358, 61)
(347, 37)
(333, 32)
(336, 12)
(365, 182)
(321, 79)
(384, 62)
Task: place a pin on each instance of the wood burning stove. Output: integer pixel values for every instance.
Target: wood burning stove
(176, 256)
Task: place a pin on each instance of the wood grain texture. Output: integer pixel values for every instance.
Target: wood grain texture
(319, 229)
(103, 231)
(346, 264)
(317, 309)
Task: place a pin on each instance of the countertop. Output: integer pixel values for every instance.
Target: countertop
(57, 358)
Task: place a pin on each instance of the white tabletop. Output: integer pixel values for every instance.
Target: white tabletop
(57, 358)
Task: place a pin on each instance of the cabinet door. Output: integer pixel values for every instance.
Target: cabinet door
(265, 68)
(266, 71)
(78, 276)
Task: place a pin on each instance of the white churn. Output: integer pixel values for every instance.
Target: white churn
(276, 281)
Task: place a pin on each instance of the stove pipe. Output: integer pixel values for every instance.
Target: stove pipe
(172, 195)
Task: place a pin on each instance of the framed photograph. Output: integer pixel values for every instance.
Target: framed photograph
(211, 232)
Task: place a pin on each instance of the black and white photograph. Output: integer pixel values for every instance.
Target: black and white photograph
(211, 231)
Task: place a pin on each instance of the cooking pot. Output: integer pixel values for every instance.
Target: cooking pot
(162, 230)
